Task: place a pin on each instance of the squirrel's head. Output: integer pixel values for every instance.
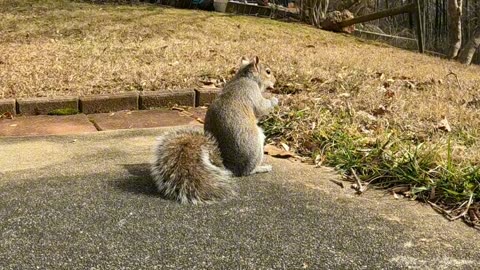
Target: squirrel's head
(262, 74)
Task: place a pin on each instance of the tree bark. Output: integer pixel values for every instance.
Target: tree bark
(466, 54)
(455, 26)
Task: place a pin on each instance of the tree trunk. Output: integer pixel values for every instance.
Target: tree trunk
(466, 54)
(455, 26)
(313, 11)
(319, 11)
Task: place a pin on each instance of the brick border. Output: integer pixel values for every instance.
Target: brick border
(36, 106)
(205, 96)
(109, 103)
(137, 100)
(156, 99)
(8, 106)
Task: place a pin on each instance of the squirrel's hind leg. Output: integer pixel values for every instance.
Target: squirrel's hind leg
(262, 169)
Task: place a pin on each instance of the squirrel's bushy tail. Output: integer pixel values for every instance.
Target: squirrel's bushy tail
(188, 167)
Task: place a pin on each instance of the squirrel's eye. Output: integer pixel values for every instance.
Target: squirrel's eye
(268, 71)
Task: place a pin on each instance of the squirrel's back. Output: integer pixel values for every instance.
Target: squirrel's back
(188, 167)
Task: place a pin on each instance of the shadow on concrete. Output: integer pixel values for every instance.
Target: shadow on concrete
(139, 181)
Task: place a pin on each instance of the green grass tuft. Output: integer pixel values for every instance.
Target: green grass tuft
(391, 160)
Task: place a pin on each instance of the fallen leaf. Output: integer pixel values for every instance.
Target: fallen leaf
(410, 84)
(274, 151)
(389, 93)
(365, 130)
(317, 80)
(401, 78)
(209, 86)
(381, 110)
(475, 103)
(175, 108)
(388, 83)
(380, 75)
(397, 196)
(444, 125)
(400, 189)
(212, 82)
(6, 115)
(366, 117)
(208, 81)
(285, 146)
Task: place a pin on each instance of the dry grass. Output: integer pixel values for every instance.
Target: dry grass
(61, 47)
(331, 84)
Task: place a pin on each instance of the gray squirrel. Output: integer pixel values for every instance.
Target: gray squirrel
(192, 165)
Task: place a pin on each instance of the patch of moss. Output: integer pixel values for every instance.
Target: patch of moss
(65, 111)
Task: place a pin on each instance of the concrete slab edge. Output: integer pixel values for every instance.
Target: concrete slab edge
(138, 100)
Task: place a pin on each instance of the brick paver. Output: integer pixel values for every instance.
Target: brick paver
(46, 125)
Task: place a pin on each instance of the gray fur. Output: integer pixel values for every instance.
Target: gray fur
(232, 119)
(187, 168)
(193, 166)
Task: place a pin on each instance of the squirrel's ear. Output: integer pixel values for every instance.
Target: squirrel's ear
(244, 61)
(255, 62)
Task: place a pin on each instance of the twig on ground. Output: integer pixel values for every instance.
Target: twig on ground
(456, 78)
(339, 183)
(464, 212)
(359, 187)
(474, 216)
(188, 114)
(438, 208)
(175, 108)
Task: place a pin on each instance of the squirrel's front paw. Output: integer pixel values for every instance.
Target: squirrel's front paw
(274, 101)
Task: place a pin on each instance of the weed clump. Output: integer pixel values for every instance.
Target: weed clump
(381, 155)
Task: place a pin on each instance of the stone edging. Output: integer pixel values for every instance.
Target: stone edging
(109, 103)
